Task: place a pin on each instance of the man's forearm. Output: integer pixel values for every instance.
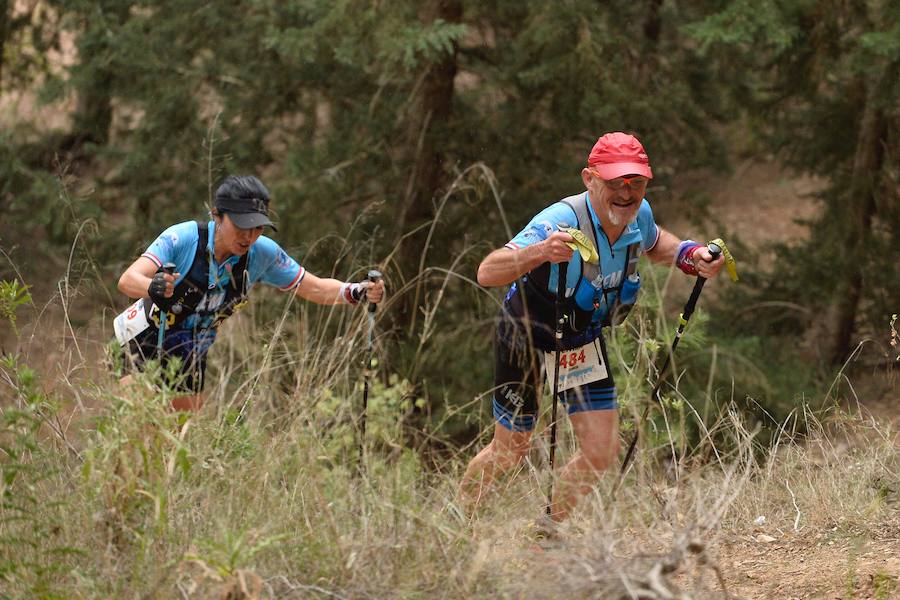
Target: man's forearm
(665, 249)
(505, 265)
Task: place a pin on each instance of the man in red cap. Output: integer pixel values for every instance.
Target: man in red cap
(613, 214)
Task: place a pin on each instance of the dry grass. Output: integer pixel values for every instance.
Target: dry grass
(260, 496)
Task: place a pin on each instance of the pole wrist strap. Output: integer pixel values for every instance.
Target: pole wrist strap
(684, 257)
(350, 293)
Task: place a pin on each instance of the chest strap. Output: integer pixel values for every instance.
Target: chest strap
(586, 225)
(190, 293)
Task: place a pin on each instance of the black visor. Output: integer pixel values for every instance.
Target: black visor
(246, 213)
(250, 220)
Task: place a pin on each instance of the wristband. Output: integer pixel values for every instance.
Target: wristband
(684, 258)
(350, 293)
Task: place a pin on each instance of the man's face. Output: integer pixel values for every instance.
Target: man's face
(620, 198)
(235, 240)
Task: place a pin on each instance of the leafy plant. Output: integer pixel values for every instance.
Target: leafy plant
(133, 456)
(12, 296)
(32, 556)
(232, 551)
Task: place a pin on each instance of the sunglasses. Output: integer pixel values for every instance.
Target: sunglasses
(636, 182)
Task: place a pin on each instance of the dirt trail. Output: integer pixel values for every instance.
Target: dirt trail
(810, 564)
(759, 205)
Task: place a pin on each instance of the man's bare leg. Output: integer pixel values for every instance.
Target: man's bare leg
(506, 451)
(597, 433)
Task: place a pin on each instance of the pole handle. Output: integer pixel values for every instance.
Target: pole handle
(374, 275)
(715, 250)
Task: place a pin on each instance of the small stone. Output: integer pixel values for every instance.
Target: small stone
(764, 539)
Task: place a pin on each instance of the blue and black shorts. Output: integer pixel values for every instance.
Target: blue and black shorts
(519, 379)
(178, 345)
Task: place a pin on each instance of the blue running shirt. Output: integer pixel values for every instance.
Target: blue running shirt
(267, 263)
(642, 229)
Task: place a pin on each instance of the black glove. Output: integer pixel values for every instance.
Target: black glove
(157, 289)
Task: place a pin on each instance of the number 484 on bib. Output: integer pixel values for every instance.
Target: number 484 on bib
(577, 367)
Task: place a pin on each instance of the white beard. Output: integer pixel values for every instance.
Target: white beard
(621, 217)
(613, 217)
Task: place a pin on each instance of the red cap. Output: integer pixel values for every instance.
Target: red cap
(617, 154)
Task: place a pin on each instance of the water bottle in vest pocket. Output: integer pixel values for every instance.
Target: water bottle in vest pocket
(627, 297)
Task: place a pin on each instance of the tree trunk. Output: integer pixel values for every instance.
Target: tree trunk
(426, 135)
(93, 111)
(653, 23)
(4, 33)
(868, 162)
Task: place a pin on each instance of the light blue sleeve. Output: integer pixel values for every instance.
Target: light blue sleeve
(270, 264)
(177, 244)
(543, 224)
(647, 225)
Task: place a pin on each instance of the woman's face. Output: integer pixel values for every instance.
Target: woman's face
(232, 240)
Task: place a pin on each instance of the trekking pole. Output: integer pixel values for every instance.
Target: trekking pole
(560, 321)
(168, 269)
(683, 319)
(373, 276)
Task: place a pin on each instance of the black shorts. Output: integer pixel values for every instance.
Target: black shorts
(184, 377)
(519, 379)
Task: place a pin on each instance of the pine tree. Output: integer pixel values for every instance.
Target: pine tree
(820, 80)
(363, 114)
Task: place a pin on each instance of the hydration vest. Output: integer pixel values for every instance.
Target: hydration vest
(193, 294)
(532, 291)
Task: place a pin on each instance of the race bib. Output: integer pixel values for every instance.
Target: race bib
(576, 367)
(130, 322)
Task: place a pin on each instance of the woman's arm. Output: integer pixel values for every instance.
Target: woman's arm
(135, 281)
(331, 291)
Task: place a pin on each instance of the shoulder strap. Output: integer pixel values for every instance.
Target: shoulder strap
(202, 235)
(240, 274)
(586, 225)
(634, 255)
(199, 272)
(201, 263)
